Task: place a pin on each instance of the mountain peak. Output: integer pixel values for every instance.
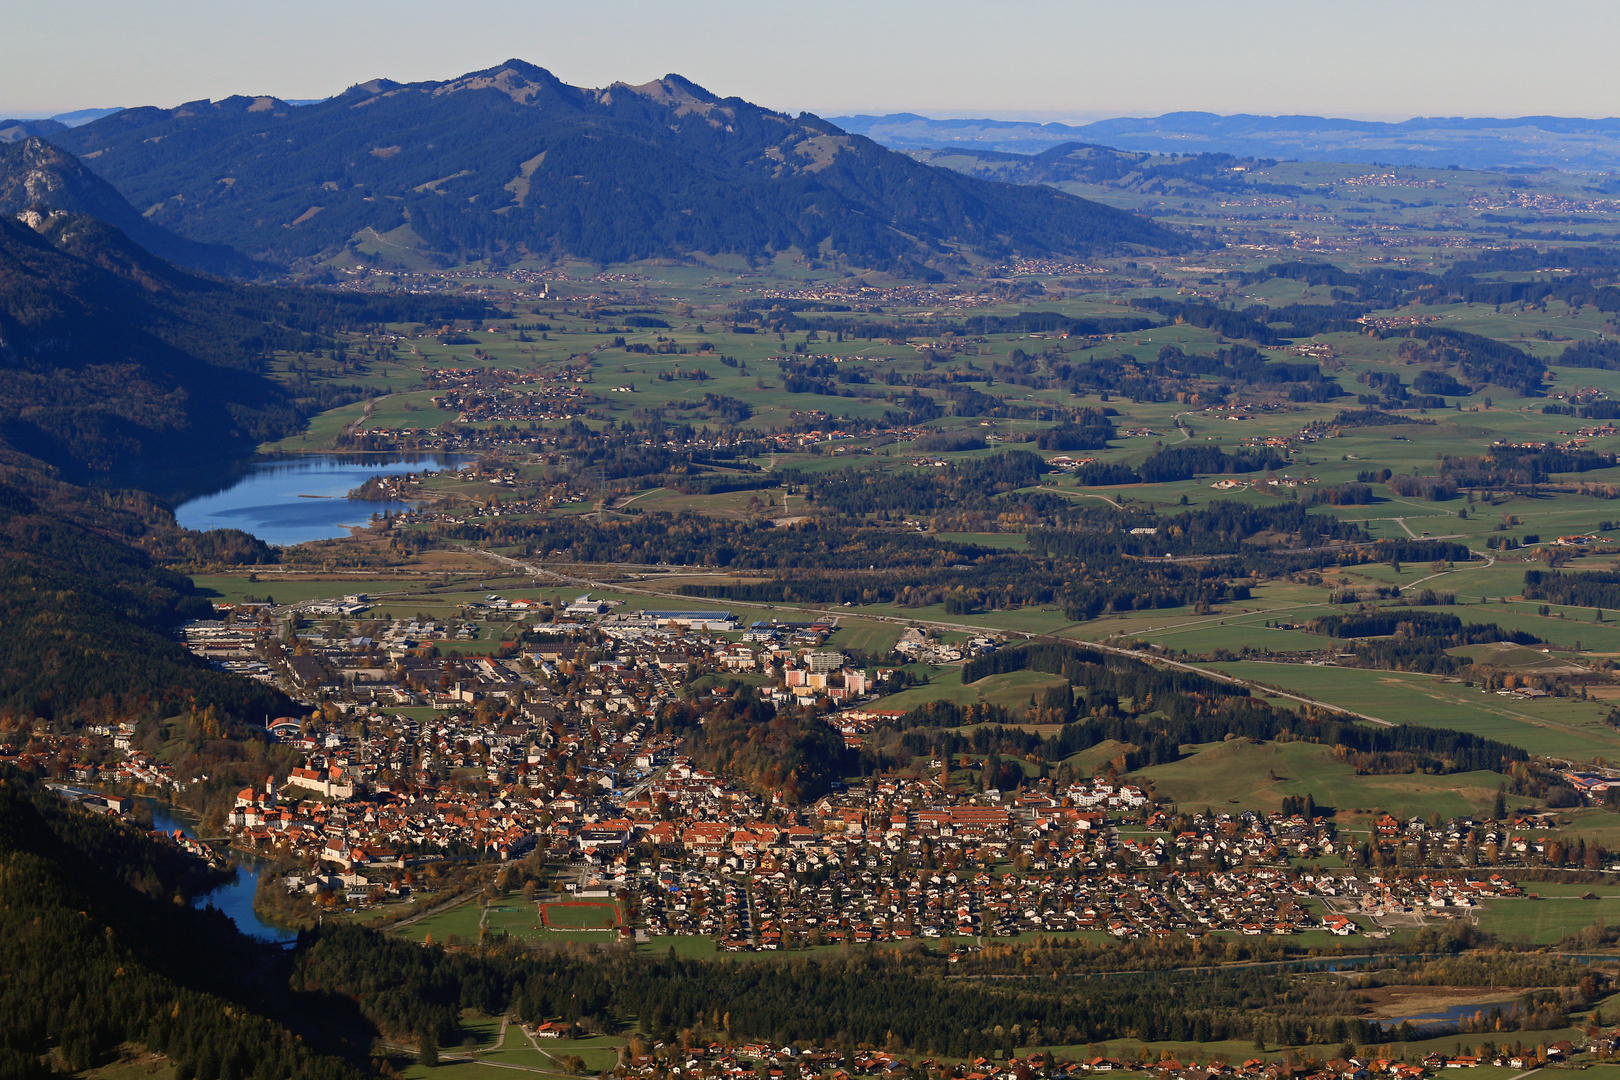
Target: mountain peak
(37, 177)
(510, 162)
(371, 88)
(672, 92)
(523, 82)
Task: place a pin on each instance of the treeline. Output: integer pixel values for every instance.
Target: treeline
(1241, 363)
(1502, 467)
(960, 484)
(1172, 372)
(1250, 325)
(1592, 588)
(1217, 529)
(871, 998)
(1479, 359)
(995, 581)
(1172, 463)
(1592, 353)
(1508, 466)
(1089, 429)
(784, 316)
(906, 999)
(1413, 640)
(1414, 623)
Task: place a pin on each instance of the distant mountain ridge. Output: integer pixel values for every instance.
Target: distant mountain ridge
(1526, 142)
(17, 129)
(511, 162)
(34, 174)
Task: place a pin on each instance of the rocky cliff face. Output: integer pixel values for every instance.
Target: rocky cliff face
(37, 177)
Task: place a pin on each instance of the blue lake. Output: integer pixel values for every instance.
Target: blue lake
(294, 500)
(236, 898)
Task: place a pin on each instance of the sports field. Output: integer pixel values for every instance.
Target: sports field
(579, 915)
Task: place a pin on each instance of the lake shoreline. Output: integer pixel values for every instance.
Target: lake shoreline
(286, 500)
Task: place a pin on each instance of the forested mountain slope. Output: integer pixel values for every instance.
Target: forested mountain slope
(103, 950)
(111, 356)
(14, 130)
(511, 161)
(35, 174)
(88, 621)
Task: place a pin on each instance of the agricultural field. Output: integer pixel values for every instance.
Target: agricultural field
(1549, 919)
(1550, 726)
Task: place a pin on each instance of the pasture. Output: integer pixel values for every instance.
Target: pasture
(1558, 726)
(1240, 774)
(1547, 920)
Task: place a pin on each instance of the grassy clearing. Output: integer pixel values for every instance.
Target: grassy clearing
(234, 589)
(873, 638)
(1009, 541)
(700, 948)
(1012, 689)
(1095, 758)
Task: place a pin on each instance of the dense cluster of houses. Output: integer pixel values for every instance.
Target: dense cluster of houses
(477, 397)
(862, 297)
(615, 661)
(717, 1061)
(781, 909)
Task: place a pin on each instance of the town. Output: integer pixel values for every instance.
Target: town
(558, 751)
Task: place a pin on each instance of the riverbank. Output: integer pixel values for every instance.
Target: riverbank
(235, 898)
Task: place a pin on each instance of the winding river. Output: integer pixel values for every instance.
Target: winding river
(236, 898)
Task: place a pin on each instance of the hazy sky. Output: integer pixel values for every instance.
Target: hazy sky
(1036, 58)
